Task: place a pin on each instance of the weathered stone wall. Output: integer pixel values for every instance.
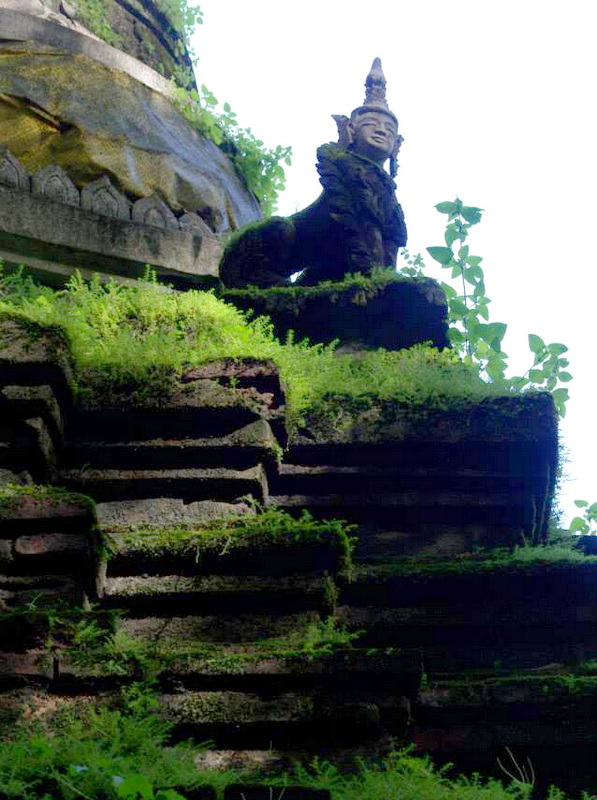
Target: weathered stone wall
(72, 101)
(141, 28)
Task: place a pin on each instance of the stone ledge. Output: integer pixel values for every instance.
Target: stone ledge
(397, 315)
(43, 228)
(18, 27)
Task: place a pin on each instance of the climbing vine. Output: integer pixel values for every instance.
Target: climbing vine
(478, 340)
(259, 166)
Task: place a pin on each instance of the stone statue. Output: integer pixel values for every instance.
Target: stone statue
(355, 224)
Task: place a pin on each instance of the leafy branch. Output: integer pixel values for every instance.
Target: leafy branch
(478, 340)
(259, 166)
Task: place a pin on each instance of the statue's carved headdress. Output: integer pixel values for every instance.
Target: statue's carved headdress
(375, 100)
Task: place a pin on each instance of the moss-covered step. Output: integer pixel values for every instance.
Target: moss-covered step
(479, 614)
(548, 719)
(239, 719)
(220, 594)
(255, 652)
(250, 445)
(35, 355)
(486, 470)
(388, 312)
(404, 522)
(234, 549)
(46, 530)
(107, 485)
(25, 402)
(195, 410)
(34, 509)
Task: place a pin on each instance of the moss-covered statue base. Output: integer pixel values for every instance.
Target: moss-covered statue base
(361, 312)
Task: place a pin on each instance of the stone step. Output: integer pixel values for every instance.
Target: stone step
(189, 484)
(510, 516)
(23, 402)
(164, 512)
(226, 551)
(240, 719)
(180, 420)
(401, 524)
(220, 594)
(32, 354)
(27, 446)
(242, 448)
(331, 479)
(549, 719)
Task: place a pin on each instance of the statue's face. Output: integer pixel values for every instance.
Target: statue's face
(373, 135)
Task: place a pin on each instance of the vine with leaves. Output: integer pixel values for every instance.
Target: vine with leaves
(478, 340)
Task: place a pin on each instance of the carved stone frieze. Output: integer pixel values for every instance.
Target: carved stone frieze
(12, 172)
(153, 211)
(52, 181)
(102, 197)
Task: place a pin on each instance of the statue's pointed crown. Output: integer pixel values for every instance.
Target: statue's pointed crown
(375, 92)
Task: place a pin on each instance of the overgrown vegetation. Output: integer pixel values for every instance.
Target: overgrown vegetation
(404, 776)
(89, 752)
(260, 167)
(139, 339)
(110, 754)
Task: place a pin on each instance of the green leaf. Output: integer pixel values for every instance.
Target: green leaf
(581, 503)
(463, 252)
(446, 207)
(456, 272)
(473, 261)
(451, 235)
(536, 376)
(495, 331)
(495, 370)
(457, 308)
(441, 254)
(592, 510)
(557, 349)
(564, 376)
(448, 290)
(455, 336)
(536, 343)
(471, 214)
(135, 786)
(227, 108)
(560, 396)
(578, 525)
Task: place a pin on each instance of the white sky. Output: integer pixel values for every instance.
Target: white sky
(497, 105)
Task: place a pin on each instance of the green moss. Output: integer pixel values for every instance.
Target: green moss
(527, 559)
(355, 288)
(248, 534)
(13, 495)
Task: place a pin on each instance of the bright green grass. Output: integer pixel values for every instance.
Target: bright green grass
(143, 335)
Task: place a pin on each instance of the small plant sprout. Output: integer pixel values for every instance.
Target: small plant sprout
(522, 776)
